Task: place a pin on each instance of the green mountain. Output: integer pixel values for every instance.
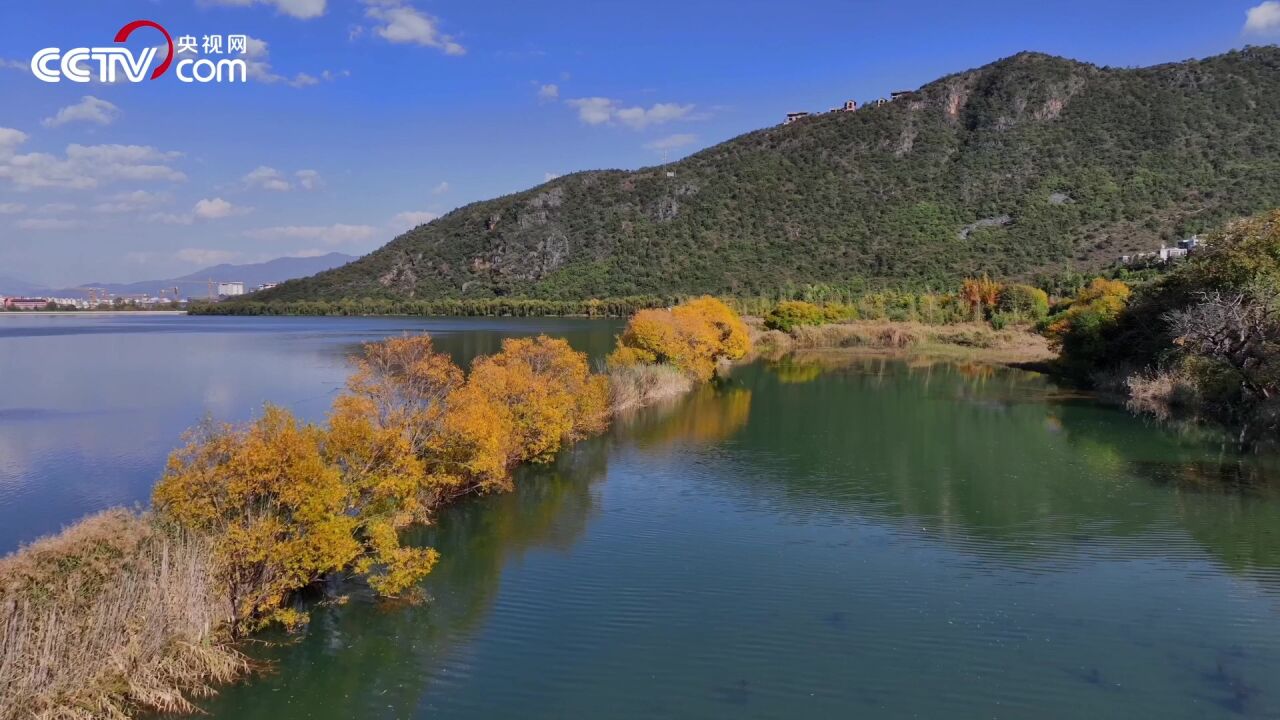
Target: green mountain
(1029, 164)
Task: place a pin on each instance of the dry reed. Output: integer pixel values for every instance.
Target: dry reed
(109, 617)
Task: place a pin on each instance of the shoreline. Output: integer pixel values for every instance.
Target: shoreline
(1016, 347)
(23, 313)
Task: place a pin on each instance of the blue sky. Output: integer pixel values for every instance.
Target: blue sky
(363, 117)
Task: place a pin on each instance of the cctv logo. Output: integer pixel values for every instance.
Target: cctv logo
(76, 65)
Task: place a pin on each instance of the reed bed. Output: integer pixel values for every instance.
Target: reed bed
(108, 617)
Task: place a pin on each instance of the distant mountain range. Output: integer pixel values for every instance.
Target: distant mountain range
(10, 285)
(196, 284)
(1030, 164)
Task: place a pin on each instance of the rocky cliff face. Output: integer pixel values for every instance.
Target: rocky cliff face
(1076, 162)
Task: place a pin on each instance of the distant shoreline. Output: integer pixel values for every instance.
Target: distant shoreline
(23, 313)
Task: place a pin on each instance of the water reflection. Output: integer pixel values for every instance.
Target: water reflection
(881, 538)
(90, 406)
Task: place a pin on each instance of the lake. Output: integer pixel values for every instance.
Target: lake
(815, 537)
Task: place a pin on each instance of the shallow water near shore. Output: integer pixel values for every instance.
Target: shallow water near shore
(870, 538)
(809, 538)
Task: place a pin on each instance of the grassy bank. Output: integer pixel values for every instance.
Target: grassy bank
(112, 614)
(978, 341)
(125, 612)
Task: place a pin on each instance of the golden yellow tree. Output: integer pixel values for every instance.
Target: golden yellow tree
(384, 481)
(548, 391)
(693, 337)
(407, 381)
(735, 341)
(274, 508)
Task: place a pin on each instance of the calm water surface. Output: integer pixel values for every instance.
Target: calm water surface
(813, 538)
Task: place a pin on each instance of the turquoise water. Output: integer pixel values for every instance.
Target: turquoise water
(812, 538)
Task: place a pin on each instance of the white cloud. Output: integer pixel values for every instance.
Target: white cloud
(593, 110)
(129, 202)
(549, 91)
(411, 219)
(301, 9)
(258, 60)
(402, 23)
(7, 64)
(215, 209)
(332, 234)
(672, 142)
(89, 109)
(171, 218)
(309, 179)
(202, 256)
(269, 178)
(47, 224)
(11, 208)
(10, 139)
(1263, 19)
(56, 208)
(84, 166)
(266, 178)
(440, 189)
(639, 118)
(601, 110)
(549, 176)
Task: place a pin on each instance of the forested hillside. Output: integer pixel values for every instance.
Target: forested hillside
(1033, 163)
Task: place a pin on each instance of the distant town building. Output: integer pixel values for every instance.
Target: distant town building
(1185, 247)
(850, 105)
(230, 289)
(267, 286)
(18, 303)
(794, 116)
(899, 94)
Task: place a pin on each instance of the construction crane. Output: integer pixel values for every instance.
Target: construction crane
(93, 294)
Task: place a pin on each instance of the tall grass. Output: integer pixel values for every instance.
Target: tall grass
(637, 386)
(110, 616)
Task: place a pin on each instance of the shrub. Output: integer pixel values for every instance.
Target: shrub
(790, 314)
(273, 507)
(693, 337)
(981, 294)
(1024, 302)
(1082, 331)
(548, 392)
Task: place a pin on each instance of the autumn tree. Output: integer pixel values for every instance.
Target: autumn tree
(981, 294)
(693, 337)
(546, 391)
(735, 341)
(274, 508)
(384, 481)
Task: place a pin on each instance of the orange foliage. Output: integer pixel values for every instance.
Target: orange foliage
(275, 508)
(693, 337)
(285, 503)
(384, 481)
(735, 341)
(548, 391)
(981, 293)
(407, 381)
